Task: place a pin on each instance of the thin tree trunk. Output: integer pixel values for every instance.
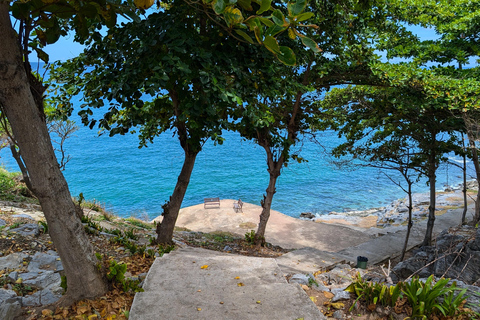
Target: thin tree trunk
(84, 279)
(431, 208)
(410, 220)
(476, 164)
(274, 168)
(172, 207)
(465, 203)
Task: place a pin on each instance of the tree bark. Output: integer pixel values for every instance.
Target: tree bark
(410, 221)
(464, 190)
(84, 279)
(274, 168)
(427, 241)
(172, 207)
(476, 164)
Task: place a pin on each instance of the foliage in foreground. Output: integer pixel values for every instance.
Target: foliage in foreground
(419, 299)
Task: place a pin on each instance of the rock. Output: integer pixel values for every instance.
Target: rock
(22, 215)
(42, 279)
(2, 222)
(307, 215)
(300, 278)
(10, 306)
(12, 261)
(28, 229)
(32, 300)
(45, 261)
(227, 248)
(13, 275)
(340, 294)
(338, 314)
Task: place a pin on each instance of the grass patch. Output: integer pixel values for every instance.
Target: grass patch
(139, 223)
(220, 236)
(247, 225)
(181, 229)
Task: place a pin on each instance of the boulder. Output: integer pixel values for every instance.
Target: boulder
(45, 261)
(12, 261)
(2, 222)
(10, 306)
(307, 215)
(28, 229)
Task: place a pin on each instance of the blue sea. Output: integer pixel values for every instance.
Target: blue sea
(136, 182)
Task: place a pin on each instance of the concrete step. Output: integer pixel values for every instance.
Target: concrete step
(232, 287)
(309, 260)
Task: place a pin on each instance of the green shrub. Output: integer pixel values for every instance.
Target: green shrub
(250, 237)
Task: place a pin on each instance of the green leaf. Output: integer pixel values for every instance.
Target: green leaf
(244, 35)
(266, 21)
(287, 56)
(279, 18)
(305, 16)
(274, 30)
(42, 55)
(311, 44)
(232, 16)
(245, 4)
(271, 44)
(294, 9)
(219, 6)
(265, 6)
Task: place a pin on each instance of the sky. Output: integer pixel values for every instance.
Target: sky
(65, 48)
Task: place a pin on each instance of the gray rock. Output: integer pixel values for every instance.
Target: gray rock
(22, 215)
(42, 280)
(12, 261)
(13, 275)
(45, 261)
(28, 229)
(9, 304)
(227, 248)
(32, 300)
(300, 279)
(307, 215)
(338, 314)
(49, 297)
(2, 222)
(340, 294)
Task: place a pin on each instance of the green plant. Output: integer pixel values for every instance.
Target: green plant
(116, 232)
(131, 234)
(162, 249)
(312, 281)
(374, 293)
(250, 237)
(139, 223)
(44, 225)
(424, 296)
(451, 302)
(63, 283)
(116, 271)
(15, 225)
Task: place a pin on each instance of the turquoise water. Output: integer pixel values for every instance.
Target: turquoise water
(132, 181)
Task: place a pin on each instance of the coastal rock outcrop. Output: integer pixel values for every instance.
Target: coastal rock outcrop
(455, 255)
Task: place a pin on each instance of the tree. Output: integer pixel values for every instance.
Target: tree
(21, 101)
(457, 25)
(401, 110)
(280, 109)
(173, 71)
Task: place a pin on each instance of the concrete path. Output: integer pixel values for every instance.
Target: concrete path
(194, 283)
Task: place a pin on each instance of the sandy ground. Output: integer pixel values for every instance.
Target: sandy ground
(282, 230)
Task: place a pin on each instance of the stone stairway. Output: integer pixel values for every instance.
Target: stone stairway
(194, 283)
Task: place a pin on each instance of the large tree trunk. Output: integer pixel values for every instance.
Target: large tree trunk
(464, 190)
(84, 279)
(274, 168)
(172, 207)
(427, 241)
